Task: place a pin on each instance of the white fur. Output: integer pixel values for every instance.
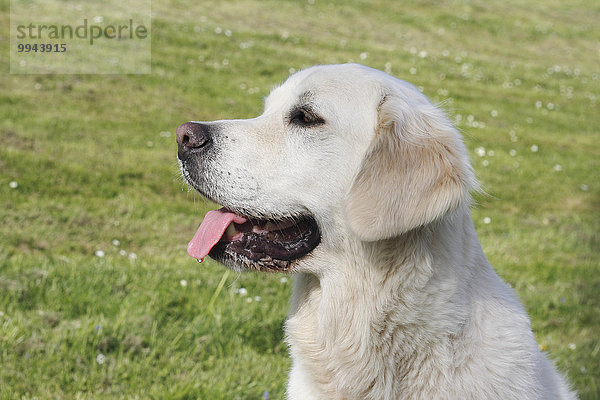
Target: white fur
(398, 301)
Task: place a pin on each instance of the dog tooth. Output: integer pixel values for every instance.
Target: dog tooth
(258, 229)
(230, 232)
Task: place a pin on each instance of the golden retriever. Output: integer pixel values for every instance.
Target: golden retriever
(353, 181)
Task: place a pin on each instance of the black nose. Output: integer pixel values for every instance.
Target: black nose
(191, 136)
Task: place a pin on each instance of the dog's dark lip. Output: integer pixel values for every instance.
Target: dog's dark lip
(274, 245)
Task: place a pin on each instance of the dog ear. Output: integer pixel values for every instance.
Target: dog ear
(415, 171)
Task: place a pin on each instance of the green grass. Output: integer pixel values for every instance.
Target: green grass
(94, 160)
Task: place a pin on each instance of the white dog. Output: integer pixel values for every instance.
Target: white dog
(354, 181)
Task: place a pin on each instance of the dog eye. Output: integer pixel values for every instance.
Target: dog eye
(303, 117)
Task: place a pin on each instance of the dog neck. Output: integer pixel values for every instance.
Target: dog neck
(372, 306)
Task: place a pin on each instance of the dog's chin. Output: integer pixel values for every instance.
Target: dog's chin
(267, 245)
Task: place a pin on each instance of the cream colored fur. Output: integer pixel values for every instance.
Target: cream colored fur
(398, 301)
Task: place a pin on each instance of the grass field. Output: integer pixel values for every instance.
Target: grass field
(98, 298)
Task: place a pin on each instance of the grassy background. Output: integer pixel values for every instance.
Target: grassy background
(97, 295)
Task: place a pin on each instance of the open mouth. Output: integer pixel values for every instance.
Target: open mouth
(245, 243)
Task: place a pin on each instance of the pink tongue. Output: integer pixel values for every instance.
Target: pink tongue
(211, 230)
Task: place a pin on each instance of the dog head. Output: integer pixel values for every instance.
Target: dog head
(339, 151)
